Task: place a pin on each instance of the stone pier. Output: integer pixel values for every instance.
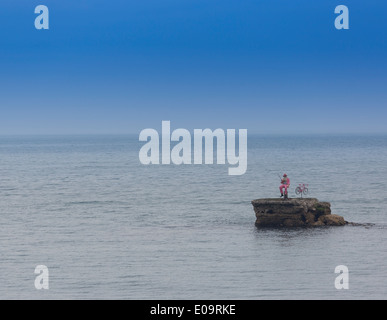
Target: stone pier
(299, 212)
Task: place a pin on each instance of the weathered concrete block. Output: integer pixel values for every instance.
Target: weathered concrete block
(294, 213)
(332, 220)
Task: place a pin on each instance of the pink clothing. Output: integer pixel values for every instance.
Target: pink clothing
(285, 185)
(282, 186)
(286, 182)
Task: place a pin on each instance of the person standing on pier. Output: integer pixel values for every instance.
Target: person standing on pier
(285, 183)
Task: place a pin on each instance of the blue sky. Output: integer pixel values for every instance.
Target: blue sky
(270, 66)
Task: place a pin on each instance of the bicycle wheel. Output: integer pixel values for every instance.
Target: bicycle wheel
(305, 191)
(298, 191)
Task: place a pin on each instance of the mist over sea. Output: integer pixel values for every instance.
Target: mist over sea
(108, 227)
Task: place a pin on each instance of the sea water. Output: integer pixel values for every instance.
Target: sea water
(108, 227)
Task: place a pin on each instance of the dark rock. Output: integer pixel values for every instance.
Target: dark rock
(294, 213)
(332, 220)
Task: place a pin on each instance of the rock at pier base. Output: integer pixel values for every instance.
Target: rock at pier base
(300, 212)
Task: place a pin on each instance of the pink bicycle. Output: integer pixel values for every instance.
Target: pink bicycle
(302, 189)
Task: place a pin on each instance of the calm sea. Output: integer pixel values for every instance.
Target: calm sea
(108, 227)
